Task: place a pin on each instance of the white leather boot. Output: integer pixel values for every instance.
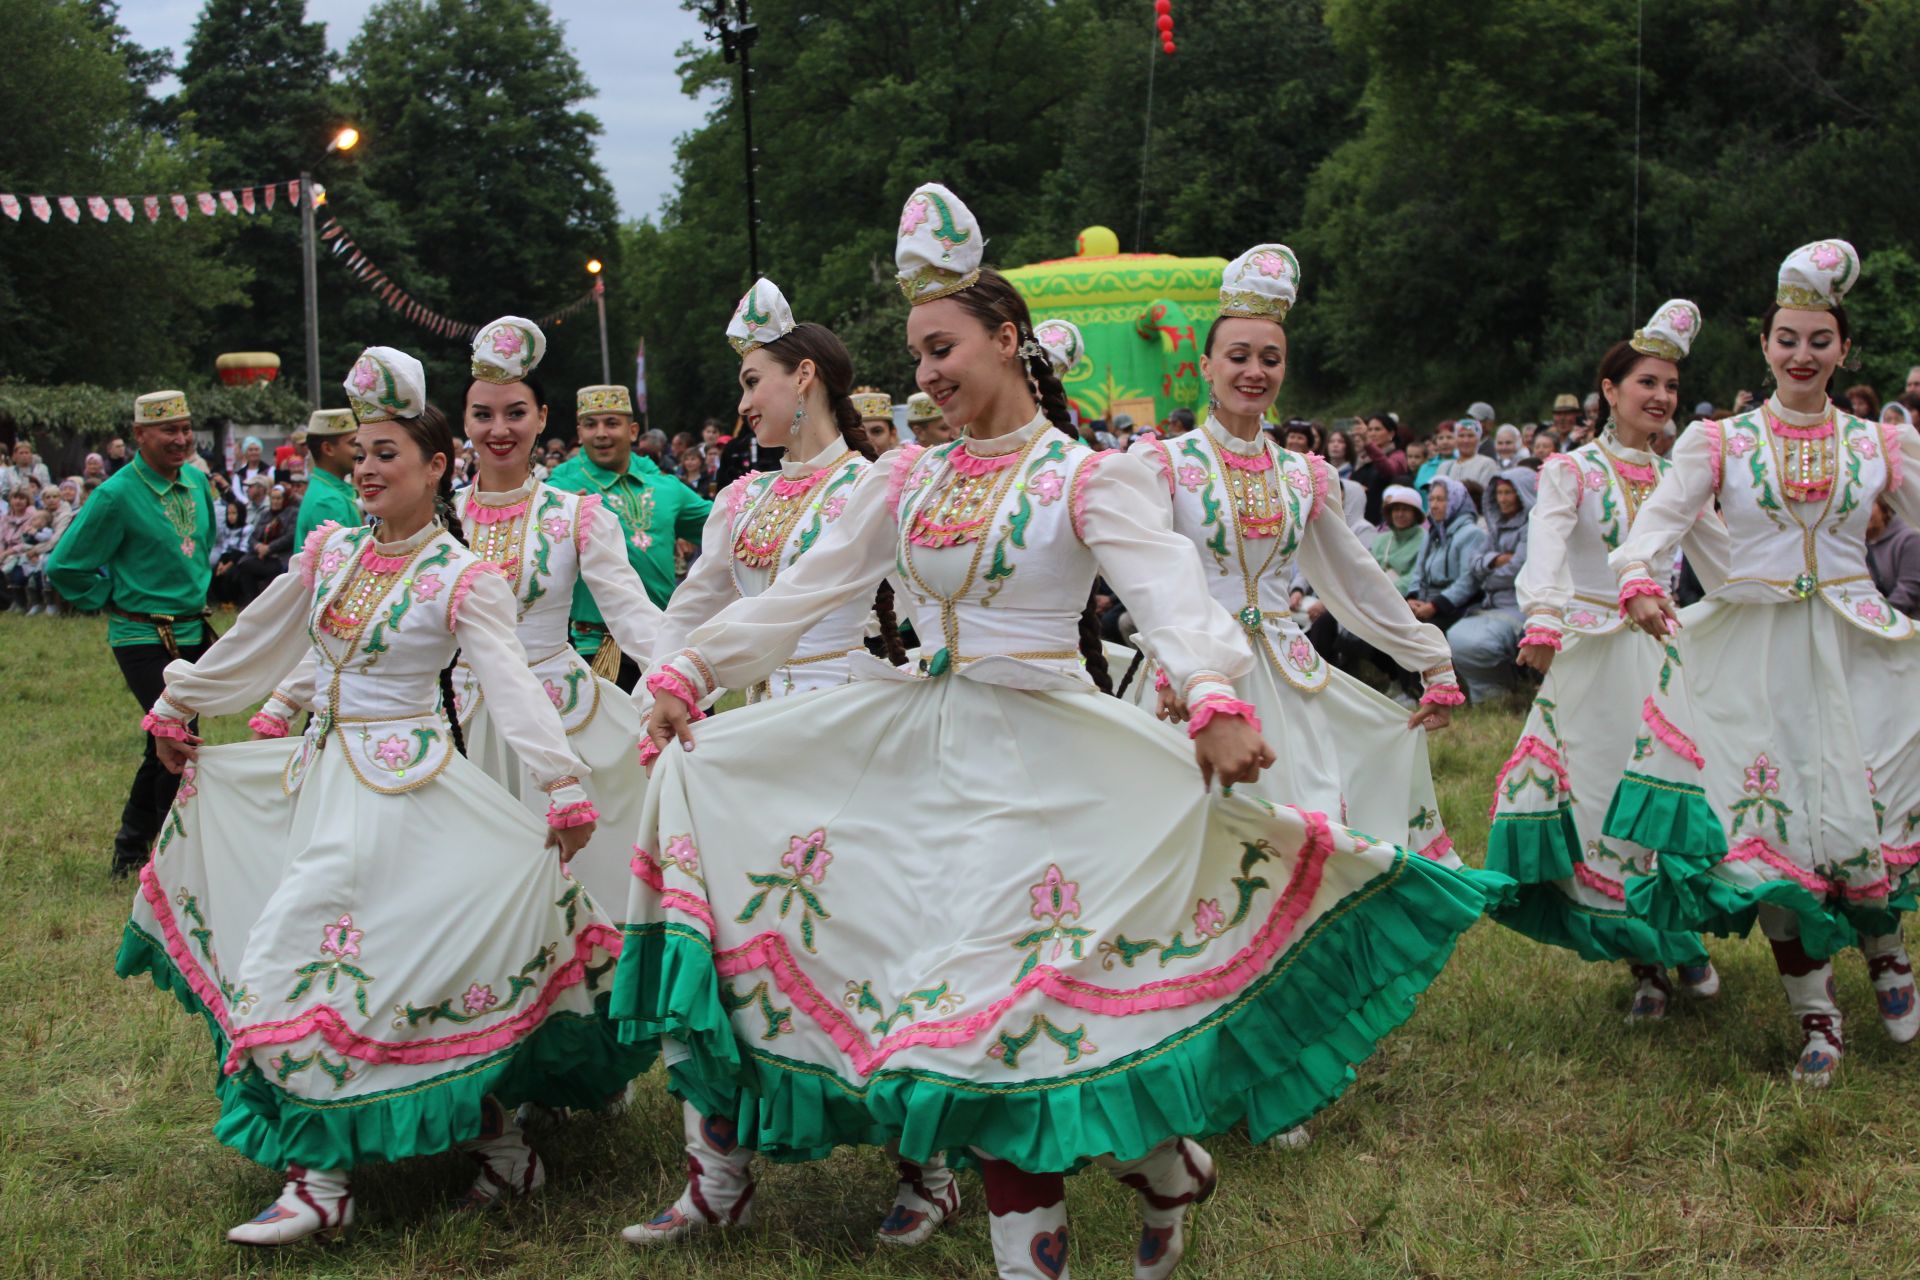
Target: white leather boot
(927, 1195)
(719, 1190)
(1892, 975)
(508, 1166)
(316, 1203)
(1173, 1176)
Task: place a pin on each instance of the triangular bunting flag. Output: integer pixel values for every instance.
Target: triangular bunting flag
(246, 199)
(10, 205)
(293, 194)
(70, 207)
(228, 203)
(179, 206)
(268, 191)
(152, 205)
(123, 207)
(206, 203)
(41, 209)
(98, 208)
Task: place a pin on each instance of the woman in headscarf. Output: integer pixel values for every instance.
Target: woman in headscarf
(1397, 547)
(1443, 580)
(252, 463)
(1484, 641)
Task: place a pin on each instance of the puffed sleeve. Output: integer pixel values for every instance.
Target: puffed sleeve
(1119, 509)
(262, 645)
(632, 619)
(1902, 451)
(747, 640)
(1688, 485)
(1365, 600)
(709, 585)
(1545, 583)
(484, 623)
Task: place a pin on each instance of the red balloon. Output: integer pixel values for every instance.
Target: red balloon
(1163, 6)
(1167, 47)
(1164, 22)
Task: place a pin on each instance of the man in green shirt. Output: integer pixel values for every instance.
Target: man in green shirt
(329, 438)
(654, 510)
(140, 549)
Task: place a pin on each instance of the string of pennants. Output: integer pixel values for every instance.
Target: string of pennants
(384, 287)
(258, 198)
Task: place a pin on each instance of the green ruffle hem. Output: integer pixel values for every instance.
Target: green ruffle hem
(1686, 893)
(571, 1060)
(1280, 1050)
(1538, 849)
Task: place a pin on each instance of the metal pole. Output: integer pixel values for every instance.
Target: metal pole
(747, 34)
(600, 301)
(310, 273)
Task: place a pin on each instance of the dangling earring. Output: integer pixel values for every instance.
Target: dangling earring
(799, 417)
(1213, 400)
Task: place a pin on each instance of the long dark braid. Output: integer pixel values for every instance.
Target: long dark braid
(432, 434)
(834, 363)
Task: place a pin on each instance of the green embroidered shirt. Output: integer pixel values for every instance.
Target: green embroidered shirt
(653, 509)
(328, 498)
(152, 537)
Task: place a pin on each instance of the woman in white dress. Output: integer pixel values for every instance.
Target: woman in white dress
(943, 924)
(385, 956)
(1777, 772)
(1550, 798)
(795, 382)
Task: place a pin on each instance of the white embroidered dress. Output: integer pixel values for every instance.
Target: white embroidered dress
(372, 926)
(546, 540)
(1256, 512)
(986, 904)
(1780, 764)
(1551, 796)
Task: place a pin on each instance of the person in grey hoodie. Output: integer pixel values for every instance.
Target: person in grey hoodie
(1485, 642)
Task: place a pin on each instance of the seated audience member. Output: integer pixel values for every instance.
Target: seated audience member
(1486, 639)
(1893, 557)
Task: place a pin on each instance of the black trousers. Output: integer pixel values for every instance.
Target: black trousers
(144, 668)
(629, 673)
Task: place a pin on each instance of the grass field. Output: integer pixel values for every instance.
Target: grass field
(1514, 1127)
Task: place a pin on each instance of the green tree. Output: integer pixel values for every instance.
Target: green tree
(115, 303)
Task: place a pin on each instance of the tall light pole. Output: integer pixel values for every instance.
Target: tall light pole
(600, 301)
(737, 37)
(310, 198)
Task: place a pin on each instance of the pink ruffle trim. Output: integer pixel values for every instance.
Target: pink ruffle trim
(577, 814)
(737, 498)
(1756, 849)
(1247, 462)
(1587, 876)
(1900, 855)
(1157, 450)
(310, 552)
(1220, 705)
(1712, 432)
(1160, 680)
(164, 727)
(1530, 747)
(649, 752)
(1437, 849)
(1542, 636)
(1443, 695)
(1322, 482)
(463, 587)
(1077, 508)
(268, 725)
(480, 513)
(1890, 450)
(373, 562)
(968, 464)
(1638, 473)
(583, 522)
(1669, 734)
(897, 478)
(1640, 587)
(668, 681)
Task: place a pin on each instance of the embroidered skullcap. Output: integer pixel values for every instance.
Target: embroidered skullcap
(940, 246)
(763, 316)
(1669, 335)
(508, 350)
(386, 384)
(921, 408)
(160, 406)
(1261, 282)
(1062, 342)
(1815, 277)
(603, 399)
(331, 422)
(872, 404)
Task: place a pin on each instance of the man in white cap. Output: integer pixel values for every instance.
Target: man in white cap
(875, 408)
(329, 494)
(139, 549)
(928, 424)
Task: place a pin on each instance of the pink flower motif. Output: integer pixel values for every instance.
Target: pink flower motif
(1681, 319)
(1826, 257)
(426, 586)
(681, 851)
(1192, 477)
(1055, 337)
(1270, 264)
(187, 790)
(1739, 444)
(833, 506)
(1300, 652)
(807, 856)
(507, 341)
(642, 540)
(391, 752)
(1208, 918)
(479, 999)
(1872, 611)
(1582, 618)
(331, 561)
(1055, 897)
(1762, 777)
(1865, 447)
(340, 939)
(554, 527)
(366, 376)
(555, 694)
(1300, 481)
(1596, 480)
(914, 216)
(1047, 487)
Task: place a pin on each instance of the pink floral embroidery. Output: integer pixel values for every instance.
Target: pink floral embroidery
(806, 856)
(1271, 265)
(341, 939)
(1826, 257)
(681, 851)
(187, 790)
(1872, 611)
(479, 999)
(914, 216)
(1681, 319)
(1299, 480)
(1865, 446)
(1047, 487)
(1055, 897)
(391, 752)
(427, 586)
(1596, 480)
(1300, 652)
(554, 527)
(642, 540)
(1208, 918)
(1740, 444)
(1192, 478)
(507, 342)
(832, 507)
(1583, 618)
(1762, 777)
(365, 376)
(332, 561)
(555, 694)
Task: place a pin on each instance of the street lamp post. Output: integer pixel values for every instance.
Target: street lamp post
(600, 301)
(737, 38)
(345, 140)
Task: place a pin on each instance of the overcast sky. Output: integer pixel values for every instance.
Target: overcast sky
(625, 46)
